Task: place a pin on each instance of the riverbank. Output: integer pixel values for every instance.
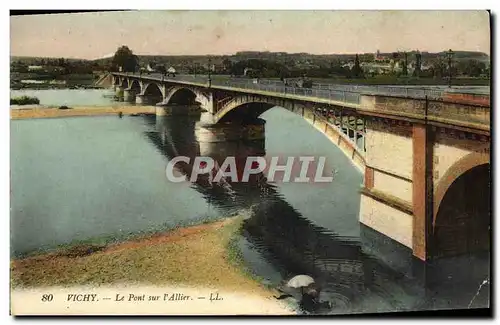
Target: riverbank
(196, 259)
(50, 112)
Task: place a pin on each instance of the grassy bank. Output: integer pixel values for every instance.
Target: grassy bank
(42, 112)
(203, 255)
(24, 100)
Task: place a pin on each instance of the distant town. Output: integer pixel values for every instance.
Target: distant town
(412, 67)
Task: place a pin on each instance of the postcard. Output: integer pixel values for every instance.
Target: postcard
(250, 162)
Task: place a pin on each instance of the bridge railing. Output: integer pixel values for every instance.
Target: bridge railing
(414, 92)
(279, 87)
(470, 115)
(337, 92)
(274, 86)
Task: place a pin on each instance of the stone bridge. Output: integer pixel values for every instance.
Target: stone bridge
(425, 158)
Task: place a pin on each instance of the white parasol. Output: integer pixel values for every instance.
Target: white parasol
(300, 281)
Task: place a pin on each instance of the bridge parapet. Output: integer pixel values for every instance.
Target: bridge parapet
(468, 113)
(473, 116)
(394, 105)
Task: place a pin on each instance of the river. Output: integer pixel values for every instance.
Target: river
(103, 179)
(68, 97)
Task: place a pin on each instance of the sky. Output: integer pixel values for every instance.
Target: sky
(96, 35)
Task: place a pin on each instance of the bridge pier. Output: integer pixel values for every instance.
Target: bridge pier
(129, 95)
(161, 111)
(119, 91)
(395, 201)
(164, 110)
(142, 99)
(232, 132)
(114, 86)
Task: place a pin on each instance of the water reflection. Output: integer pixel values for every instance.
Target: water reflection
(299, 247)
(283, 235)
(112, 184)
(178, 137)
(287, 243)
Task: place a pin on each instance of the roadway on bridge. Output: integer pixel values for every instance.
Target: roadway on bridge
(340, 92)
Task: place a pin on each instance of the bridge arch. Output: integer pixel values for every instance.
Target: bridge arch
(135, 85)
(153, 89)
(461, 220)
(123, 83)
(181, 96)
(244, 111)
(248, 108)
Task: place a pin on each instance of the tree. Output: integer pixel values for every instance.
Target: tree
(227, 64)
(161, 69)
(356, 70)
(472, 68)
(283, 72)
(405, 65)
(487, 71)
(418, 65)
(439, 68)
(259, 68)
(124, 59)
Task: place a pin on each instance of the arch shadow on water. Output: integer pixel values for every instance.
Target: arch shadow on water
(462, 240)
(278, 241)
(277, 235)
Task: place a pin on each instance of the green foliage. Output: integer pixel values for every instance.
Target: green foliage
(227, 65)
(357, 72)
(18, 66)
(260, 68)
(439, 68)
(125, 59)
(405, 65)
(418, 65)
(57, 67)
(161, 69)
(472, 68)
(24, 100)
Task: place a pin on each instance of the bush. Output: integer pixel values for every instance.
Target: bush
(24, 100)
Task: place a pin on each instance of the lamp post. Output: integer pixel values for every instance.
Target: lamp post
(405, 70)
(449, 54)
(209, 72)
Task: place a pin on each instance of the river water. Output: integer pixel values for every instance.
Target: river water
(103, 179)
(68, 97)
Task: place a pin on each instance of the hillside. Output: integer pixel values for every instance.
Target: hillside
(276, 56)
(32, 60)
